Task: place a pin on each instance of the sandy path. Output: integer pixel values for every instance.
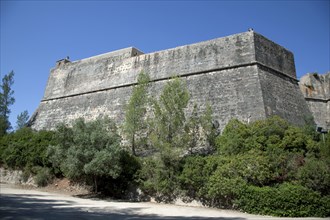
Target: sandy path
(31, 204)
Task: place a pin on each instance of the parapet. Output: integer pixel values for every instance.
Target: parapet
(116, 55)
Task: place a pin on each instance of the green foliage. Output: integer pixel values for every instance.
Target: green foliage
(232, 140)
(284, 200)
(130, 165)
(22, 120)
(268, 133)
(193, 176)
(192, 134)
(223, 190)
(43, 176)
(26, 174)
(167, 135)
(265, 167)
(3, 126)
(134, 126)
(294, 139)
(199, 130)
(265, 135)
(172, 134)
(253, 166)
(25, 147)
(88, 151)
(315, 175)
(148, 175)
(6, 100)
(159, 177)
(169, 120)
(210, 131)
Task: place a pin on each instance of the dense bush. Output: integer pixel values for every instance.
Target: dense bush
(25, 148)
(193, 176)
(267, 167)
(43, 176)
(159, 177)
(284, 200)
(315, 175)
(91, 152)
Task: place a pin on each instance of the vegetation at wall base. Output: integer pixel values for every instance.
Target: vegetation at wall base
(267, 167)
(285, 200)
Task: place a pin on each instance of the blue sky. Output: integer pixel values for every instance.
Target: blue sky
(34, 34)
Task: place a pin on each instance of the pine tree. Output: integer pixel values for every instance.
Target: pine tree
(192, 130)
(6, 100)
(169, 112)
(134, 124)
(209, 128)
(22, 120)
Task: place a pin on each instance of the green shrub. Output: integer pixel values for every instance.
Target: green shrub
(294, 140)
(91, 152)
(147, 175)
(119, 187)
(232, 140)
(26, 174)
(266, 133)
(193, 176)
(43, 176)
(223, 190)
(315, 174)
(25, 147)
(285, 200)
(159, 177)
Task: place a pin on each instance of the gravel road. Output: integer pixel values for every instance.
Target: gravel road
(18, 203)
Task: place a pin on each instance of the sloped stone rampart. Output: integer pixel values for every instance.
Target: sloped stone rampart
(244, 76)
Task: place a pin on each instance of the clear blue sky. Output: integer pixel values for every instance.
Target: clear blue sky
(34, 34)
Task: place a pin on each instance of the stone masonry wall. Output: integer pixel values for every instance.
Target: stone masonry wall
(106, 72)
(281, 97)
(242, 76)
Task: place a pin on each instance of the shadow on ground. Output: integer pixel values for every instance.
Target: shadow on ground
(28, 207)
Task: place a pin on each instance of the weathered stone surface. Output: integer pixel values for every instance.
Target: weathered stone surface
(244, 76)
(316, 90)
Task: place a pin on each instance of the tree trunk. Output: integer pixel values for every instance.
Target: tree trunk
(95, 183)
(133, 146)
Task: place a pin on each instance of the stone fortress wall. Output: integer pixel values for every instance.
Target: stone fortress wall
(243, 76)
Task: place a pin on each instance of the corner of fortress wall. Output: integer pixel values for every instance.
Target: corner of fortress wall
(243, 76)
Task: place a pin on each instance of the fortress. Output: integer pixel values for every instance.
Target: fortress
(243, 76)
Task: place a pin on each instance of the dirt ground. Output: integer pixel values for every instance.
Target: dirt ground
(64, 186)
(28, 203)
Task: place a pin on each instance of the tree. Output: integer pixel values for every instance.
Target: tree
(134, 125)
(192, 132)
(92, 152)
(160, 175)
(210, 128)
(169, 112)
(22, 119)
(6, 100)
